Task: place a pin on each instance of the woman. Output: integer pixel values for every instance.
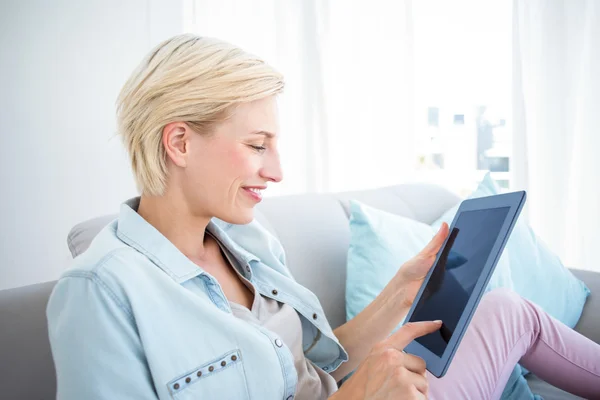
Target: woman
(184, 296)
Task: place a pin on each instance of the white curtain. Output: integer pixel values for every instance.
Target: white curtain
(347, 112)
(556, 100)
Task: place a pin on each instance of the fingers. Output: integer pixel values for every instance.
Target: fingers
(412, 330)
(396, 373)
(419, 382)
(436, 243)
(418, 395)
(414, 364)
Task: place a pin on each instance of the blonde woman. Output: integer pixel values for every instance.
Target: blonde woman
(185, 296)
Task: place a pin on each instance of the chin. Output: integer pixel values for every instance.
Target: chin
(239, 218)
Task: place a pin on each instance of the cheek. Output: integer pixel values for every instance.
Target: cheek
(241, 163)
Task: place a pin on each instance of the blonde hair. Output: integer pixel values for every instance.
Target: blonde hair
(187, 78)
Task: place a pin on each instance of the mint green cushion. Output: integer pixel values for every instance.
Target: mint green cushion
(380, 243)
(537, 274)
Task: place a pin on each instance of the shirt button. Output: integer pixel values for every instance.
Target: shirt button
(314, 316)
(274, 291)
(211, 368)
(223, 363)
(278, 342)
(176, 386)
(233, 358)
(325, 368)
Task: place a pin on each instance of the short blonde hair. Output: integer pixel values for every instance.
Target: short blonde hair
(192, 79)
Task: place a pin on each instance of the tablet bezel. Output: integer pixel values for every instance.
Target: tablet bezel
(515, 201)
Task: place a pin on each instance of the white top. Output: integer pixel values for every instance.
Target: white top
(282, 319)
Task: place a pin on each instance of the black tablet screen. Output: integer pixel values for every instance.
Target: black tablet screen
(456, 273)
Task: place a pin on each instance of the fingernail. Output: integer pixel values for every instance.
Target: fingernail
(438, 321)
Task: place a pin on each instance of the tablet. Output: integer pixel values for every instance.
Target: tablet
(462, 269)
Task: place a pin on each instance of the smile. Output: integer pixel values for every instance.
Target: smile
(254, 193)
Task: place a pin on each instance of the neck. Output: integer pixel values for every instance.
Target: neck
(172, 217)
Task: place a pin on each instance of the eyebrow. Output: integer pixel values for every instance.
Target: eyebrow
(270, 135)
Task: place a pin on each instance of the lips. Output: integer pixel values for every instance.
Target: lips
(255, 192)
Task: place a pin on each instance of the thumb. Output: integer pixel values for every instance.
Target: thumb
(412, 330)
(436, 242)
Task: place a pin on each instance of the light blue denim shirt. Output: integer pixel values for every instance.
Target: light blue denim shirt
(136, 319)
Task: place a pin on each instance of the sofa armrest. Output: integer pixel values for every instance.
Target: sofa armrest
(589, 324)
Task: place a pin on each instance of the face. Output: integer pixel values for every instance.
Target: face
(223, 174)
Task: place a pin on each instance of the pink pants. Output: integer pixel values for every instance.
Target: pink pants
(507, 329)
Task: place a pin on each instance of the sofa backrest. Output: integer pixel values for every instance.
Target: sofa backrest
(315, 234)
(26, 367)
(313, 229)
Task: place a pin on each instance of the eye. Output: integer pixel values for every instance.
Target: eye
(259, 149)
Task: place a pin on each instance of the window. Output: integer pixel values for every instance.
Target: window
(463, 91)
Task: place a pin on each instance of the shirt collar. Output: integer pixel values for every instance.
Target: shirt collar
(145, 238)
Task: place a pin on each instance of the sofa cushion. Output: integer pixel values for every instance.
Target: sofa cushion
(82, 234)
(589, 323)
(547, 391)
(537, 273)
(26, 367)
(380, 243)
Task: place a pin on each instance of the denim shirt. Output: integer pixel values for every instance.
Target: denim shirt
(134, 318)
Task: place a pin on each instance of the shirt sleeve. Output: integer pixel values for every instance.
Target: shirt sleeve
(96, 349)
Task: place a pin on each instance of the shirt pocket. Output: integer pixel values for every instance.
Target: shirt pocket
(221, 378)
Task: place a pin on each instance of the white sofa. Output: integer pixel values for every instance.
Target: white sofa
(313, 229)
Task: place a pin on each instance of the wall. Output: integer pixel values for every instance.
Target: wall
(62, 64)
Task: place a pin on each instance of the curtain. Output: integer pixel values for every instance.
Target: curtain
(347, 111)
(556, 103)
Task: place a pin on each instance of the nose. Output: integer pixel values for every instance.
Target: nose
(271, 169)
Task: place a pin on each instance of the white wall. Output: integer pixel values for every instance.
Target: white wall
(62, 64)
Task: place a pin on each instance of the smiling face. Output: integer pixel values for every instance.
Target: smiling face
(222, 173)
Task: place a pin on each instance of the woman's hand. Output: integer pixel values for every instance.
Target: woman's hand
(386, 311)
(387, 372)
(411, 275)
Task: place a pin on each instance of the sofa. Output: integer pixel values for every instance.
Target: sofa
(313, 229)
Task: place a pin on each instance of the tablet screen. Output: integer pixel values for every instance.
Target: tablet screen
(456, 273)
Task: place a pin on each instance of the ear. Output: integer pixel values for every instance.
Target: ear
(175, 139)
